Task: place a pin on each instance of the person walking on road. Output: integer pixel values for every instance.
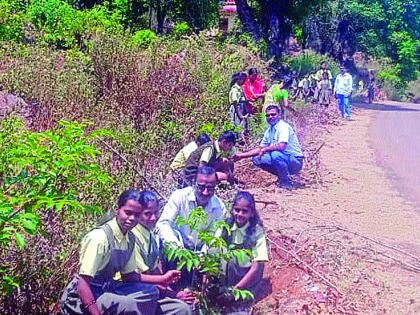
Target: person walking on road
(343, 88)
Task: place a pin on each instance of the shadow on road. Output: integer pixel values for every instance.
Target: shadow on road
(385, 107)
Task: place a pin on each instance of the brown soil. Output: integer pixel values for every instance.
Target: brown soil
(317, 264)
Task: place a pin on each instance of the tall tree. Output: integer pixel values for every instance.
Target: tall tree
(272, 20)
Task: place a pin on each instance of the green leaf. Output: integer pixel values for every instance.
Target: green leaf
(180, 265)
(189, 265)
(20, 240)
(29, 226)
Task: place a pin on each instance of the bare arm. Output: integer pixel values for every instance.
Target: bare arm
(170, 277)
(277, 147)
(255, 269)
(250, 153)
(86, 295)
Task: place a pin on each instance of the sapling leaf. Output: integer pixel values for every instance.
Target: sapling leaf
(29, 226)
(196, 262)
(180, 265)
(242, 294)
(189, 265)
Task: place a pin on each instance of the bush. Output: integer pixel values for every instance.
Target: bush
(181, 29)
(12, 21)
(49, 180)
(144, 38)
(305, 62)
(57, 21)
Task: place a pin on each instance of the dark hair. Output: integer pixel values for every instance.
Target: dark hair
(146, 197)
(323, 62)
(242, 76)
(206, 170)
(234, 79)
(252, 71)
(128, 195)
(228, 136)
(250, 235)
(273, 107)
(124, 197)
(202, 138)
(251, 205)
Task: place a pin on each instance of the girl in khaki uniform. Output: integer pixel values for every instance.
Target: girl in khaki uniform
(147, 256)
(247, 232)
(325, 88)
(104, 252)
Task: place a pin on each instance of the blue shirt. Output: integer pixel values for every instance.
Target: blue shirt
(282, 132)
(343, 84)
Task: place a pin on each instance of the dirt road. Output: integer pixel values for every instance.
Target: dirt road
(360, 196)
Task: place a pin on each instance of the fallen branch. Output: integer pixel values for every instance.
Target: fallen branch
(133, 167)
(295, 256)
(266, 202)
(340, 228)
(317, 150)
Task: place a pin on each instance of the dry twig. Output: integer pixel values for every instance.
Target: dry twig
(304, 263)
(133, 167)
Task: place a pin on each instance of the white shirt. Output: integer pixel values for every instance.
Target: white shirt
(282, 132)
(343, 84)
(181, 202)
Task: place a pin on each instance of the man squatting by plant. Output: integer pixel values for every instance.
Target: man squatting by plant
(214, 154)
(110, 249)
(181, 202)
(280, 152)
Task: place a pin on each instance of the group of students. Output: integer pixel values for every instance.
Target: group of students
(120, 271)
(247, 90)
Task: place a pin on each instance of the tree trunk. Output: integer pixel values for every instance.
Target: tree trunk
(249, 23)
(273, 27)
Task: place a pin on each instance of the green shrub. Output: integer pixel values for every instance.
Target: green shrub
(43, 174)
(391, 76)
(408, 55)
(56, 21)
(305, 62)
(181, 29)
(12, 21)
(144, 38)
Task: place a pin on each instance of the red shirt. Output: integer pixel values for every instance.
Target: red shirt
(250, 89)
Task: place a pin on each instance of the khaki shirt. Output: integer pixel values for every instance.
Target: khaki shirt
(320, 73)
(95, 253)
(236, 94)
(207, 153)
(259, 251)
(146, 251)
(182, 156)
